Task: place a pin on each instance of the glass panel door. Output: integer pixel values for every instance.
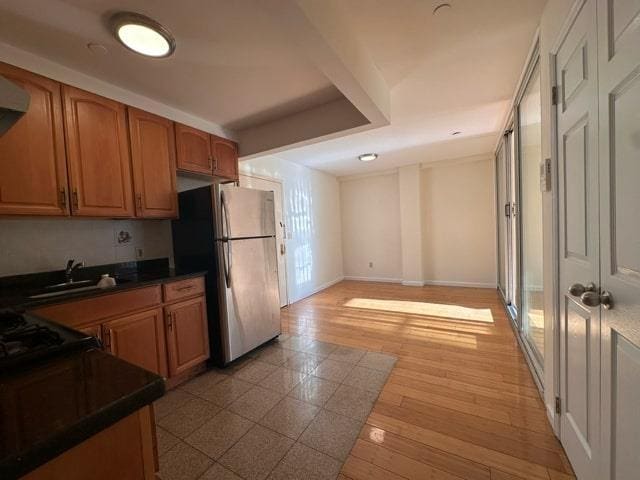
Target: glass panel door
(530, 213)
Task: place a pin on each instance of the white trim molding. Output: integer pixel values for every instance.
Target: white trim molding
(413, 283)
(373, 279)
(453, 283)
(317, 289)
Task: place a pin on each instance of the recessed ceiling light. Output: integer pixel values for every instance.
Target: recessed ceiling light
(455, 133)
(441, 8)
(367, 157)
(142, 35)
(97, 48)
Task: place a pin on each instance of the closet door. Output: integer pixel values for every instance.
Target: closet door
(579, 249)
(619, 95)
(33, 169)
(98, 155)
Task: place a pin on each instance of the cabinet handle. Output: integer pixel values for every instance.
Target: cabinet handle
(107, 339)
(210, 164)
(215, 163)
(75, 198)
(63, 197)
(188, 287)
(170, 321)
(139, 201)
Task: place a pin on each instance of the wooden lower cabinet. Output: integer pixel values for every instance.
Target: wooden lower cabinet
(93, 331)
(138, 339)
(187, 334)
(125, 451)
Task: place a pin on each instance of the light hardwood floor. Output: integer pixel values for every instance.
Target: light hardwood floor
(459, 403)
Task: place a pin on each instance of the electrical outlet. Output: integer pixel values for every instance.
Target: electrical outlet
(370, 264)
(139, 253)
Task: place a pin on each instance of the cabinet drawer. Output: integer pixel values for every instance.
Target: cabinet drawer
(90, 310)
(182, 289)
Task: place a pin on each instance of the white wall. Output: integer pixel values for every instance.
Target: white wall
(459, 223)
(29, 245)
(371, 227)
(312, 213)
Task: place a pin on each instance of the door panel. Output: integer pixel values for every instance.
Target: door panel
(619, 147)
(501, 200)
(251, 296)
(246, 212)
(98, 155)
(187, 334)
(276, 188)
(193, 150)
(225, 157)
(577, 121)
(33, 170)
(153, 157)
(138, 339)
(578, 348)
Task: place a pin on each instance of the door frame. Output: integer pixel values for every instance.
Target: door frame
(555, 220)
(284, 227)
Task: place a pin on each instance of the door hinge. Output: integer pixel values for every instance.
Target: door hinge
(558, 406)
(554, 95)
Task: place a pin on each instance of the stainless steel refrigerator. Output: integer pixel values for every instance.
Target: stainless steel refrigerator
(229, 232)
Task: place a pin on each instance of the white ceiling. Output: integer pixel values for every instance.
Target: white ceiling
(249, 65)
(446, 73)
(232, 66)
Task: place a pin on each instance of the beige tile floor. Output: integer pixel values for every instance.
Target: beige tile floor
(290, 410)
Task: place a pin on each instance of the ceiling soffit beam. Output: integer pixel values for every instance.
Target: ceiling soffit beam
(321, 33)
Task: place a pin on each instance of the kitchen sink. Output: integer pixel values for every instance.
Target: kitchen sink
(66, 291)
(66, 288)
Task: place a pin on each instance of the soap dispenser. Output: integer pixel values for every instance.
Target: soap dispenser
(106, 281)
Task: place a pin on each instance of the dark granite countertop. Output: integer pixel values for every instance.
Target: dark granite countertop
(51, 406)
(15, 291)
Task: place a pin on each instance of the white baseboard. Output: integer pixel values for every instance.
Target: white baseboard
(374, 279)
(413, 283)
(317, 289)
(453, 283)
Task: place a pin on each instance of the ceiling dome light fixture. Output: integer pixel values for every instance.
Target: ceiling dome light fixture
(367, 157)
(142, 35)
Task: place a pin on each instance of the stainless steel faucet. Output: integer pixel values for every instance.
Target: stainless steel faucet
(72, 267)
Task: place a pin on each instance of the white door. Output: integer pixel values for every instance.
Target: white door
(577, 137)
(619, 87)
(275, 187)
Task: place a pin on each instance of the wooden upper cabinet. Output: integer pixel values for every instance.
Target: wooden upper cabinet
(33, 175)
(187, 334)
(225, 157)
(153, 158)
(138, 339)
(97, 155)
(194, 150)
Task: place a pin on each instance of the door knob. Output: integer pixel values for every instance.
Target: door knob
(593, 299)
(578, 289)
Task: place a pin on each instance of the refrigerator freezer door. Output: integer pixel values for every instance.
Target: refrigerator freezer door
(246, 212)
(250, 278)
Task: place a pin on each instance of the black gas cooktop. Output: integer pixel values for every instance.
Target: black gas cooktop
(25, 338)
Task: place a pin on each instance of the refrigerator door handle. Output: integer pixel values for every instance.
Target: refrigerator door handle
(225, 240)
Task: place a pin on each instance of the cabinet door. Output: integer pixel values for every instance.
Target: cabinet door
(225, 157)
(153, 158)
(33, 172)
(194, 150)
(139, 339)
(187, 334)
(98, 155)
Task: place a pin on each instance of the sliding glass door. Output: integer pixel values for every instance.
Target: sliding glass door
(519, 210)
(507, 226)
(530, 161)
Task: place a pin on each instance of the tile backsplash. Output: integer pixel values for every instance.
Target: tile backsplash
(29, 245)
